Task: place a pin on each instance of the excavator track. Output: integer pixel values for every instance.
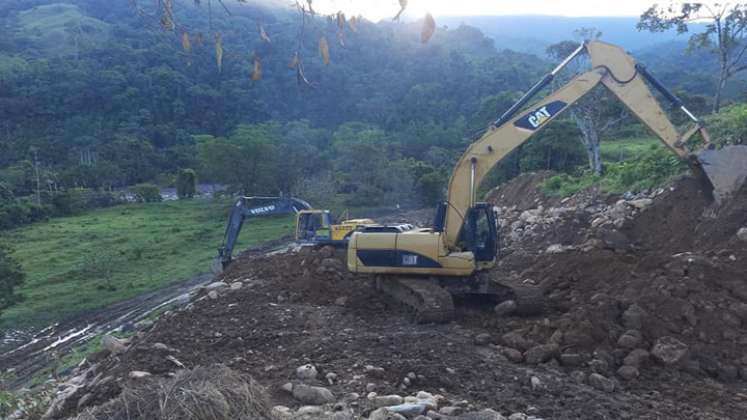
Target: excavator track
(429, 302)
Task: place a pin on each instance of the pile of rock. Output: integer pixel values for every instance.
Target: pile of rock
(320, 403)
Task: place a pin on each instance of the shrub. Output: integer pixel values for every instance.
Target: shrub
(729, 126)
(146, 193)
(186, 183)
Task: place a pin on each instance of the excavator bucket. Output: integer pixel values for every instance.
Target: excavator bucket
(725, 169)
(216, 267)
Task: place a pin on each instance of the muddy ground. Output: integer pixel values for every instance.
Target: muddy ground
(646, 317)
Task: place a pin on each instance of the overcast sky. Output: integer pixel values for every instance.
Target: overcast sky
(379, 9)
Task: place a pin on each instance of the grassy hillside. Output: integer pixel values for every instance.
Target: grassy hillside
(89, 261)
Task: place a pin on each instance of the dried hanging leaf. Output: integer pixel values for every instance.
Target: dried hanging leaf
(257, 71)
(167, 19)
(340, 21)
(402, 7)
(311, 8)
(294, 61)
(219, 51)
(429, 26)
(300, 76)
(352, 22)
(263, 34)
(324, 49)
(186, 43)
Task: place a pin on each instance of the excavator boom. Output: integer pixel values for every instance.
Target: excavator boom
(721, 171)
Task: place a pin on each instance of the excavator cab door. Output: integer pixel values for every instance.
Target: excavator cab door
(480, 233)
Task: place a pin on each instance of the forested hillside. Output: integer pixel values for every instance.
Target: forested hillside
(102, 100)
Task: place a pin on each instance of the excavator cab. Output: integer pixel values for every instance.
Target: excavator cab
(480, 234)
(313, 226)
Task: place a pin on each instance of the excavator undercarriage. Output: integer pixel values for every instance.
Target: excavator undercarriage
(431, 299)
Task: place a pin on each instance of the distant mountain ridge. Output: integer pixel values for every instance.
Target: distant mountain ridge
(533, 33)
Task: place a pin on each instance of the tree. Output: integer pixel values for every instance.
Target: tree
(11, 276)
(597, 111)
(247, 160)
(725, 33)
(186, 183)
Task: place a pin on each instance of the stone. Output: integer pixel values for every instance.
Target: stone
(374, 371)
(306, 372)
(630, 339)
(288, 387)
(515, 340)
(535, 382)
(370, 387)
(505, 308)
(483, 339)
(573, 359)
(331, 377)
(512, 354)
(387, 400)
(669, 351)
(216, 285)
(408, 409)
(633, 317)
(282, 412)
(517, 416)
(113, 344)
(451, 411)
(742, 234)
(599, 366)
(578, 376)
(314, 395)
(236, 285)
(213, 294)
(138, 374)
(341, 301)
(164, 348)
(641, 203)
(540, 354)
(637, 358)
(385, 414)
(628, 372)
(601, 383)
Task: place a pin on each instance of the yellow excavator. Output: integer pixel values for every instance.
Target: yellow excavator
(423, 267)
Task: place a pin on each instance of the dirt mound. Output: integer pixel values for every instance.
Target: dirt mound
(659, 267)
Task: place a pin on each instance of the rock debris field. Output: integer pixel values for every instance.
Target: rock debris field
(645, 317)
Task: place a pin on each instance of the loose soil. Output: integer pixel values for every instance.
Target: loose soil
(681, 268)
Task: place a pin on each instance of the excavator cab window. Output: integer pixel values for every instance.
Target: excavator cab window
(480, 233)
(313, 225)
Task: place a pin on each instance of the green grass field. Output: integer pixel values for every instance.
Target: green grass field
(85, 262)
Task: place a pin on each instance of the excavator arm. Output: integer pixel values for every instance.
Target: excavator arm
(247, 207)
(618, 72)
